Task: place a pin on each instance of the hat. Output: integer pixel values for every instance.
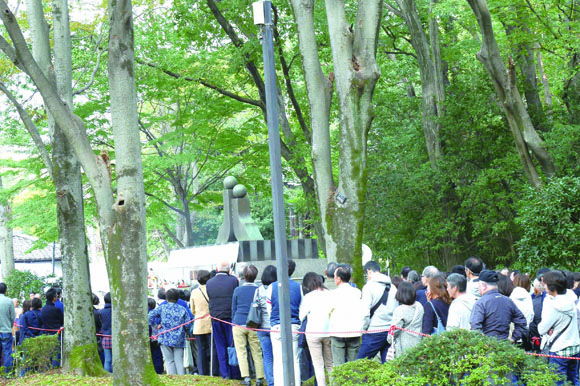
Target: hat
(489, 276)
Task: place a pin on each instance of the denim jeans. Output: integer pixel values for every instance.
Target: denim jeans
(108, 360)
(372, 344)
(6, 342)
(223, 338)
(267, 355)
(567, 367)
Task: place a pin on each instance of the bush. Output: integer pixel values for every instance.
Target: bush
(21, 283)
(457, 357)
(36, 354)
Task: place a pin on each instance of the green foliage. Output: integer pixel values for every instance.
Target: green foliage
(550, 221)
(457, 357)
(35, 355)
(22, 283)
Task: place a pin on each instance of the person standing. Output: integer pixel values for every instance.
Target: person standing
(171, 338)
(428, 273)
(7, 318)
(437, 307)
(346, 318)
(269, 276)
(241, 303)
(493, 312)
(220, 290)
(473, 267)
(379, 303)
(52, 316)
(462, 304)
(315, 308)
(408, 315)
(105, 316)
(559, 327)
(276, 337)
(199, 303)
(31, 321)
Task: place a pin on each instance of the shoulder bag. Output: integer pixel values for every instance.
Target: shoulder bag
(254, 319)
(440, 329)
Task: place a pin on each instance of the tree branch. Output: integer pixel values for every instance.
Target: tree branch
(31, 128)
(288, 81)
(173, 236)
(177, 210)
(222, 91)
(92, 80)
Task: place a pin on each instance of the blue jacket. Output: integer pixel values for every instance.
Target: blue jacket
(170, 316)
(295, 300)
(52, 318)
(30, 318)
(220, 290)
(183, 304)
(241, 302)
(422, 296)
(429, 317)
(493, 313)
(106, 319)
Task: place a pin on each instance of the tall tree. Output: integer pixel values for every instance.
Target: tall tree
(6, 238)
(504, 79)
(121, 220)
(427, 49)
(342, 205)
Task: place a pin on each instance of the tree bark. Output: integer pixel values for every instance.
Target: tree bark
(571, 95)
(80, 355)
(504, 80)
(127, 258)
(430, 70)
(6, 238)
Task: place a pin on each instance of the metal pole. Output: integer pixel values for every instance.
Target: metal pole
(277, 195)
(53, 255)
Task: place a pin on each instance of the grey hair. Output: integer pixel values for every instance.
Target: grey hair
(413, 277)
(430, 271)
(458, 281)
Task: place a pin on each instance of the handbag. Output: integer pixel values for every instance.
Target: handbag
(232, 357)
(548, 345)
(440, 329)
(391, 353)
(254, 319)
(188, 356)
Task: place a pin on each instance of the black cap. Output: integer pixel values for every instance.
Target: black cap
(489, 277)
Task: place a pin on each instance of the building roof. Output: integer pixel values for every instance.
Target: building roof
(22, 243)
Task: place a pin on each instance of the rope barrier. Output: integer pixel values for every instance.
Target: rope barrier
(390, 330)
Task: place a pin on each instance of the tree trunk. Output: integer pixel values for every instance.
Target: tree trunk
(525, 60)
(430, 69)
(505, 84)
(571, 93)
(122, 223)
(80, 355)
(6, 238)
(127, 258)
(355, 75)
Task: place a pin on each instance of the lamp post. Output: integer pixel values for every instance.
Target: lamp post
(263, 17)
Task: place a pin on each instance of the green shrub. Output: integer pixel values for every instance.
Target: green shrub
(457, 357)
(36, 354)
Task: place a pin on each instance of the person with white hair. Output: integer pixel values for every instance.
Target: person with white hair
(220, 290)
(428, 272)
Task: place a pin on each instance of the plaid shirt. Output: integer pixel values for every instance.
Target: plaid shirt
(569, 351)
(107, 342)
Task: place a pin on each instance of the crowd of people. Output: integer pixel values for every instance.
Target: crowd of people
(333, 321)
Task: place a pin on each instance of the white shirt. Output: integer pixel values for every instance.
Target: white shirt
(316, 307)
(346, 312)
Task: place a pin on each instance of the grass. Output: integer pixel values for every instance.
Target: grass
(57, 379)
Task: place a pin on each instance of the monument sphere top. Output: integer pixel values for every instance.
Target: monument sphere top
(230, 182)
(240, 191)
